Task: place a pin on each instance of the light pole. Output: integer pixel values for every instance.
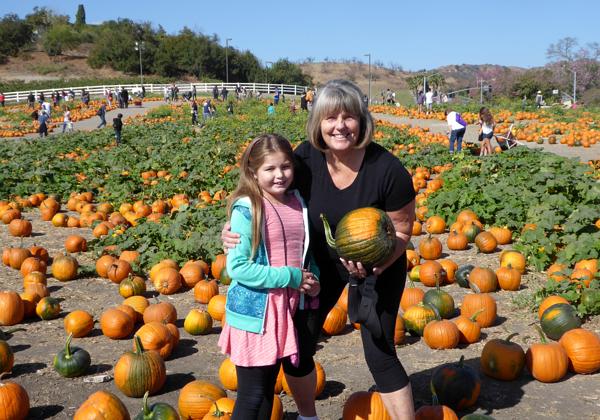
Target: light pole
(574, 86)
(267, 70)
(369, 55)
(139, 46)
(227, 60)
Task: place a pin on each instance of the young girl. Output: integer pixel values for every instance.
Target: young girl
(268, 280)
(486, 132)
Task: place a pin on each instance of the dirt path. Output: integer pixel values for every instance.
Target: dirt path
(581, 153)
(52, 396)
(92, 123)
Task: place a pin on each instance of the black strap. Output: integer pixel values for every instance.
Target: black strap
(362, 300)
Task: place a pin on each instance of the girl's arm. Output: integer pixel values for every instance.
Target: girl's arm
(245, 271)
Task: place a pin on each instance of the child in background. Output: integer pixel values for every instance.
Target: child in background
(269, 283)
(486, 131)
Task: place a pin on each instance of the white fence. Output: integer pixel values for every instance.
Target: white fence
(267, 88)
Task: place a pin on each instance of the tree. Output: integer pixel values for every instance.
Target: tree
(284, 71)
(563, 50)
(60, 37)
(15, 34)
(80, 16)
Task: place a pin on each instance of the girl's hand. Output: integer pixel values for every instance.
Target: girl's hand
(230, 239)
(309, 284)
(355, 269)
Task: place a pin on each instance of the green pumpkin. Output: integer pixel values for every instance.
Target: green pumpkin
(365, 235)
(440, 300)
(48, 308)
(457, 385)
(471, 232)
(462, 275)
(558, 319)
(158, 411)
(417, 316)
(224, 277)
(71, 362)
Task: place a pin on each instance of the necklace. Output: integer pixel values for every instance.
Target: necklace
(282, 230)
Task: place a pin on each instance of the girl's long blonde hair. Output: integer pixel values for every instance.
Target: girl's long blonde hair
(252, 159)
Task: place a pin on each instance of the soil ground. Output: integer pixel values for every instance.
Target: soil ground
(575, 397)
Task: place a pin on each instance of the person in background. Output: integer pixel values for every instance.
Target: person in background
(524, 103)
(224, 93)
(118, 127)
(194, 92)
(420, 101)
(539, 99)
(67, 123)
(456, 128)
(271, 109)
(194, 112)
(30, 100)
(293, 107)
(486, 131)
(206, 109)
(276, 96)
(43, 120)
(41, 98)
(429, 101)
(215, 92)
(230, 108)
(102, 114)
(47, 108)
(303, 103)
(125, 96)
(2, 99)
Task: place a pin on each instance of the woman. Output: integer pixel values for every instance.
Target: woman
(340, 170)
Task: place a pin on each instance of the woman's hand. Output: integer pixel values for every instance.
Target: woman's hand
(355, 269)
(230, 239)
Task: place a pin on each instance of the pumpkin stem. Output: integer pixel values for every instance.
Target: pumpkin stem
(328, 237)
(473, 317)
(147, 411)
(434, 397)
(541, 333)
(68, 346)
(510, 337)
(217, 412)
(139, 348)
(474, 287)
(461, 362)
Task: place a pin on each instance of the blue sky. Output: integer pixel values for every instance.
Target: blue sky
(413, 34)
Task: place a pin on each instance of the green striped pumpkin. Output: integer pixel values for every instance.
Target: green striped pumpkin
(365, 235)
(558, 319)
(140, 371)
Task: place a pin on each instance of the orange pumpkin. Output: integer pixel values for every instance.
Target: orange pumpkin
(167, 281)
(435, 225)
(513, 258)
(469, 330)
(32, 264)
(486, 242)
(430, 248)
(483, 302)
(483, 279)
(102, 405)
(503, 235)
(441, 334)
(118, 271)
(12, 310)
(196, 397)
(457, 241)
(365, 405)
(116, 324)
(75, 243)
(432, 273)
(64, 268)
(227, 375)
(79, 323)
(508, 278)
(14, 401)
(155, 336)
(103, 264)
(583, 350)
(217, 265)
(216, 307)
(335, 322)
(411, 296)
(163, 312)
(204, 290)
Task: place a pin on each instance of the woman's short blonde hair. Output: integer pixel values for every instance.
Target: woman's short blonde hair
(339, 95)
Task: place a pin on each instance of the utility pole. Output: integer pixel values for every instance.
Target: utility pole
(227, 60)
(574, 86)
(139, 46)
(369, 55)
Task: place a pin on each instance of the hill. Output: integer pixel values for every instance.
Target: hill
(456, 76)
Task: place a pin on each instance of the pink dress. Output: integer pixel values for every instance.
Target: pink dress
(284, 231)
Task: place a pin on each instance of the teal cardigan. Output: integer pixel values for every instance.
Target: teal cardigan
(251, 279)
